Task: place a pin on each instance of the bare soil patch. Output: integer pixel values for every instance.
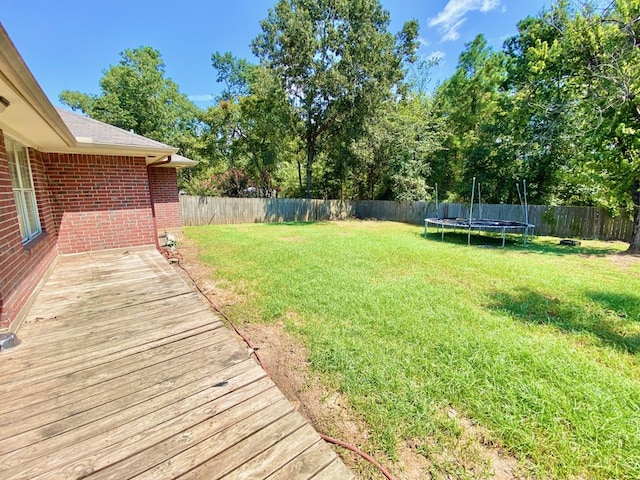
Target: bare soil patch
(625, 259)
(287, 360)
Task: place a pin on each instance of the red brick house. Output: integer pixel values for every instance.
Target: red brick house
(70, 184)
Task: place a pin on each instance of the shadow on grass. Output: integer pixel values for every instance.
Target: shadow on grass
(515, 242)
(606, 319)
(625, 306)
(546, 247)
(293, 224)
(477, 240)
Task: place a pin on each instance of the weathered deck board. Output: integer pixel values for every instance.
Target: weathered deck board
(310, 463)
(276, 456)
(85, 348)
(19, 429)
(95, 357)
(82, 381)
(246, 449)
(123, 372)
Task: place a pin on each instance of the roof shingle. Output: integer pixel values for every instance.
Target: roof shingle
(88, 130)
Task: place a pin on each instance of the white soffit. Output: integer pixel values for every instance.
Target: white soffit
(22, 122)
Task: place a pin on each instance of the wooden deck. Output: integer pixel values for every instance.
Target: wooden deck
(123, 372)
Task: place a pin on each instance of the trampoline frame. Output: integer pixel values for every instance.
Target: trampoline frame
(480, 224)
(483, 224)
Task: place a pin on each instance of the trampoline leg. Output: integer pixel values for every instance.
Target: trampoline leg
(503, 235)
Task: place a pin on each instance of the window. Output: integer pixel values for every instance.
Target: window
(23, 191)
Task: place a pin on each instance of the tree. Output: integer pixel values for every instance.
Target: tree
(582, 71)
(234, 73)
(392, 161)
(473, 105)
(135, 95)
(606, 46)
(249, 129)
(337, 63)
(391, 156)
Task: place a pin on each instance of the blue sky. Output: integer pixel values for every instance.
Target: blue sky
(68, 43)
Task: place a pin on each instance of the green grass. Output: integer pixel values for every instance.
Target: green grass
(539, 345)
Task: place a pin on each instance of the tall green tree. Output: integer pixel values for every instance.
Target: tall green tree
(392, 161)
(136, 95)
(472, 105)
(249, 129)
(542, 117)
(234, 73)
(337, 62)
(605, 46)
(392, 156)
(578, 69)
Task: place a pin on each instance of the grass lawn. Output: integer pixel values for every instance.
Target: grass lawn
(538, 345)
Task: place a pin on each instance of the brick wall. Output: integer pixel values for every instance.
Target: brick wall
(100, 201)
(166, 200)
(22, 267)
(85, 203)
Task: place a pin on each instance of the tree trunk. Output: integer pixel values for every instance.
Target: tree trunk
(299, 174)
(310, 155)
(634, 245)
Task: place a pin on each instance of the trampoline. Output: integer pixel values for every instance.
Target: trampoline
(481, 224)
(484, 224)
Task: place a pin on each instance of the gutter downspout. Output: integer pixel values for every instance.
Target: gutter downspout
(153, 203)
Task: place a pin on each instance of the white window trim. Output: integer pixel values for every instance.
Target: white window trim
(23, 190)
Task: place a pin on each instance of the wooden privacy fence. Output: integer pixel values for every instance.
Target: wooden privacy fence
(579, 222)
(222, 210)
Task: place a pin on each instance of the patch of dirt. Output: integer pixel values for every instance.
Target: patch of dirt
(188, 253)
(478, 454)
(287, 360)
(626, 262)
(625, 259)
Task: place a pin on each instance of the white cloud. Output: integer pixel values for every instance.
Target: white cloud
(201, 98)
(438, 56)
(451, 18)
(423, 42)
(451, 33)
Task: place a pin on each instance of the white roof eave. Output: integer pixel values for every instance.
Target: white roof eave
(30, 115)
(151, 154)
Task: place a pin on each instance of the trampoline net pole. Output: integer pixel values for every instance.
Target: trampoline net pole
(526, 205)
(473, 194)
(524, 215)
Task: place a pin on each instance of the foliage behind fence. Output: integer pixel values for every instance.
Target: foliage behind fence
(580, 222)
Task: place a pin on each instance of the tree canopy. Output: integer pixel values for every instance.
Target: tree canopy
(337, 62)
(136, 95)
(558, 106)
(338, 107)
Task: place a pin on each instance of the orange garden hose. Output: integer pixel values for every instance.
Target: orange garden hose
(354, 449)
(169, 254)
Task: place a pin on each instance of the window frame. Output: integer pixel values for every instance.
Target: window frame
(24, 192)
